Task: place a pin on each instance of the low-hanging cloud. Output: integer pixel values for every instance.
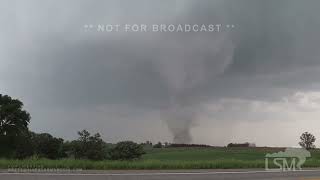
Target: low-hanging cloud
(50, 61)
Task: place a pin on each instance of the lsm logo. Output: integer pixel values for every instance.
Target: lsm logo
(289, 160)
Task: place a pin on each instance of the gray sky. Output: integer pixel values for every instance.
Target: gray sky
(257, 82)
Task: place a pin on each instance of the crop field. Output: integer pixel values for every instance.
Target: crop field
(168, 158)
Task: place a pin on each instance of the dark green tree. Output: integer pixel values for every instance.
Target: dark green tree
(47, 146)
(13, 125)
(158, 145)
(13, 119)
(307, 141)
(127, 150)
(89, 146)
(24, 146)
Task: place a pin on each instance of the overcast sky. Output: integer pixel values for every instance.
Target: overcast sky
(256, 82)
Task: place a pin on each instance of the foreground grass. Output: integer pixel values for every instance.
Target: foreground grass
(138, 164)
(171, 158)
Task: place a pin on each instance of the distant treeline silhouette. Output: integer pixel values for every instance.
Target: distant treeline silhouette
(188, 145)
(241, 145)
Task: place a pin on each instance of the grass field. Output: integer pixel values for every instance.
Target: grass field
(168, 158)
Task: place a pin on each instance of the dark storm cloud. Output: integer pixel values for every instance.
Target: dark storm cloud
(52, 62)
(270, 37)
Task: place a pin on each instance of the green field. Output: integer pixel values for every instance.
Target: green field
(168, 158)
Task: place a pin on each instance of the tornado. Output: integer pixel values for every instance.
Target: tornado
(186, 70)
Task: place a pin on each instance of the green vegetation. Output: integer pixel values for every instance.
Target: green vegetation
(307, 141)
(126, 150)
(21, 148)
(168, 158)
(13, 128)
(18, 142)
(87, 147)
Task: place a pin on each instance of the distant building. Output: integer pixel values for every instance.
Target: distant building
(247, 144)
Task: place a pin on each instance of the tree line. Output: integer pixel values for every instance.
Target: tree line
(307, 141)
(17, 141)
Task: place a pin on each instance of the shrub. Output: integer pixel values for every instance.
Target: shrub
(24, 147)
(89, 147)
(158, 145)
(47, 146)
(127, 150)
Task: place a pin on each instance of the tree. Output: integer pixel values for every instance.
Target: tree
(47, 146)
(13, 125)
(307, 141)
(24, 146)
(127, 150)
(89, 147)
(158, 145)
(13, 120)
